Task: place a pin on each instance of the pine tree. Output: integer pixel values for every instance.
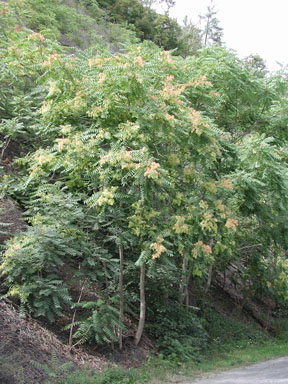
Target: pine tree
(212, 32)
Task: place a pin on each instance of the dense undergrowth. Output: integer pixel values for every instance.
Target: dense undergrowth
(139, 168)
(241, 343)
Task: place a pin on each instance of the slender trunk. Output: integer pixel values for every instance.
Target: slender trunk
(165, 297)
(121, 315)
(224, 279)
(7, 142)
(142, 306)
(207, 31)
(106, 274)
(74, 316)
(184, 294)
(210, 272)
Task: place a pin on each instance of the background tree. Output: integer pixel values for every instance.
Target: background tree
(190, 40)
(256, 64)
(212, 32)
(168, 4)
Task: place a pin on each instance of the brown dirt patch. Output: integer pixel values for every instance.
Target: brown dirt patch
(23, 340)
(11, 215)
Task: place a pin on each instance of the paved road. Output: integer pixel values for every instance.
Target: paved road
(269, 372)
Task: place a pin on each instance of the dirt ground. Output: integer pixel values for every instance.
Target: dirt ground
(24, 340)
(11, 216)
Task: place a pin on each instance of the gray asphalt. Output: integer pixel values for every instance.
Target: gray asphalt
(272, 372)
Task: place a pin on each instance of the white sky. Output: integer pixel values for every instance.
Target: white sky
(250, 26)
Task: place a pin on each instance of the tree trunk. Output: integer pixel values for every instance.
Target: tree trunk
(184, 293)
(210, 272)
(81, 286)
(7, 142)
(121, 314)
(142, 306)
(207, 31)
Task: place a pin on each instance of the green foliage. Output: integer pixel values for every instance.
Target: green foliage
(76, 24)
(102, 323)
(32, 267)
(110, 376)
(179, 332)
(85, 24)
(280, 325)
(227, 332)
(54, 369)
(3, 230)
(176, 160)
(149, 25)
(240, 108)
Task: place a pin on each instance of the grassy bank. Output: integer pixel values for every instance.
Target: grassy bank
(161, 370)
(238, 357)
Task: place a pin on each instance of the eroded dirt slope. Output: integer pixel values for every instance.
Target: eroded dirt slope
(24, 340)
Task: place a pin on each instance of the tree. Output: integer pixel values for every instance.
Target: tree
(256, 64)
(145, 171)
(147, 179)
(212, 33)
(190, 40)
(167, 3)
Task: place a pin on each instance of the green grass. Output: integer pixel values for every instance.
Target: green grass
(237, 357)
(158, 371)
(233, 343)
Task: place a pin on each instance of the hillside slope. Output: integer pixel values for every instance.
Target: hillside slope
(152, 187)
(23, 342)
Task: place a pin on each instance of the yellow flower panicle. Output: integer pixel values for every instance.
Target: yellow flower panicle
(102, 77)
(36, 37)
(211, 187)
(226, 183)
(166, 57)
(46, 106)
(139, 61)
(231, 224)
(201, 80)
(180, 226)
(53, 57)
(172, 91)
(61, 143)
(107, 196)
(202, 247)
(158, 248)
(196, 121)
(151, 172)
(220, 206)
(209, 223)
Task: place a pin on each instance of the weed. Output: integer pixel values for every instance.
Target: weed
(55, 369)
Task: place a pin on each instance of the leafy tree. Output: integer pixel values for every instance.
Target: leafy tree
(167, 3)
(131, 173)
(256, 64)
(145, 170)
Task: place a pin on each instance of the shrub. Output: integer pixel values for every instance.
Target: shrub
(179, 332)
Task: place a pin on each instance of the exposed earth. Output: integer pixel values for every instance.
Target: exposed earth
(24, 342)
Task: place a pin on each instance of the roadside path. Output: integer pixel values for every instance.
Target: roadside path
(268, 372)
